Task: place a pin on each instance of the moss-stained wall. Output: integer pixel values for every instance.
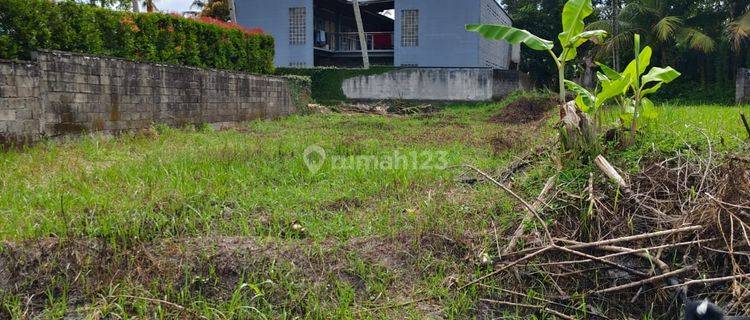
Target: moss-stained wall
(61, 93)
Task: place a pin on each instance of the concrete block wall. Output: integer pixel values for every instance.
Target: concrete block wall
(65, 93)
(435, 84)
(742, 92)
(20, 103)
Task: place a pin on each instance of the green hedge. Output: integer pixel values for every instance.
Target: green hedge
(326, 82)
(28, 25)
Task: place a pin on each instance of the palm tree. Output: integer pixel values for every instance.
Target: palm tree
(653, 20)
(150, 7)
(198, 4)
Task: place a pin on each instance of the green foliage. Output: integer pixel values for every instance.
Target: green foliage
(326, 82)
(512, 35)
(696, 36)
(614, 85)
(217, 9)
(677, 31)
(573, 14)
(684, 90)
(571, 37)
(29, 25)
(299, 86)
(579, 138)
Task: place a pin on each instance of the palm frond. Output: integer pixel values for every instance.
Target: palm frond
(639, 8)
(623, 40)
(605, 25)
(696, 39)
(666, 27)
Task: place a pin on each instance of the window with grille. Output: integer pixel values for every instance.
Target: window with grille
(297, 25)
(409, 28)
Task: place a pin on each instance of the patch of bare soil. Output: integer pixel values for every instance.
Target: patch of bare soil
(525, 110)
(508, 139)
(87, 267)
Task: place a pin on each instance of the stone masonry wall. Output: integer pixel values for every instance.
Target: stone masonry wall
(742, 93)
(64, 93)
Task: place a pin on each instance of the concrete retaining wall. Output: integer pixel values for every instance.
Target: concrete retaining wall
(435, 84)
(742, 93)
(61, 93)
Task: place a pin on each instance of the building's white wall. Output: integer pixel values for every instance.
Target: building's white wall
(494, 54)
(443, 39)
(273, 17)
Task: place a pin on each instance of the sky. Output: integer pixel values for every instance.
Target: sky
(184, 5)
(173, 5)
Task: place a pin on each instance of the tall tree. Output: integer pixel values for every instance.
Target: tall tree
(217, 9)
(150, 7)
(198, 4)
(657, 22)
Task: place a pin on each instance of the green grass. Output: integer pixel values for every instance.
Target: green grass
(372, 237)
(198, 182)
(697, 125)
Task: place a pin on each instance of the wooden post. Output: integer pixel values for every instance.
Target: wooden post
(232, 11)
(361, 30)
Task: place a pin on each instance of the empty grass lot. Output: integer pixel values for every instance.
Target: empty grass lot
(197, 223)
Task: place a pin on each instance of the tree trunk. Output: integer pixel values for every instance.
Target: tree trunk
(232, 11)
(578, 133)
(149, 5)
(136, 6)
(588, 73)
(615, 32)
(362, 39)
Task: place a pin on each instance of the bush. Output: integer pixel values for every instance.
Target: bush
(687, 91)
(326, 82)
(300, 91)
(29, 25)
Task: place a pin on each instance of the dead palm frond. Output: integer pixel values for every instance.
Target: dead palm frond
(739, 30)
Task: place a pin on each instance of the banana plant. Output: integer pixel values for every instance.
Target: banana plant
(630, 88)
(572, 36)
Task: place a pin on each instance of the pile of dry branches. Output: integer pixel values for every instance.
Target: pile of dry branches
(631, 245)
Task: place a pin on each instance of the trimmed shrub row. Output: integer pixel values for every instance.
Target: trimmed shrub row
(28, 25)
